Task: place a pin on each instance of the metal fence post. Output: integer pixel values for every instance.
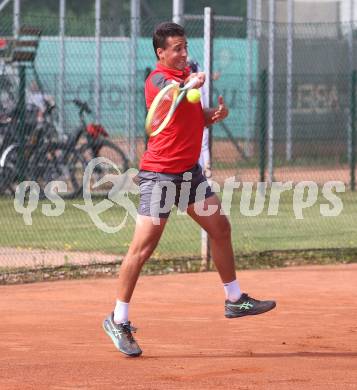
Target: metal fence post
(135, 20)
(207, 66)
(289, 65)
(271, 92)
(353, 130)
(350, 72)
(258, 17)
(249, 64)
(262, 127)
(62, 66)
(98, 62)
(17, 10)
(21, 108)
(178, 11)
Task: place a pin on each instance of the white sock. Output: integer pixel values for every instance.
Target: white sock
(121, 312)
(232, 290)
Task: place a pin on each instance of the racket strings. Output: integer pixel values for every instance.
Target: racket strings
(163, 109)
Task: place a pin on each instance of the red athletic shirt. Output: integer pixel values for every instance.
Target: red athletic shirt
(177, 148)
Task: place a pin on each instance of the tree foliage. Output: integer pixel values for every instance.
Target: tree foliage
(121, 8)
(115, 13)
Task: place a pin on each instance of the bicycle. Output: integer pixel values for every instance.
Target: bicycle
(41, 158)
(48, 158)
(98, 144)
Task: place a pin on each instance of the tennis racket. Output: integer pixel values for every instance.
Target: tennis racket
(164, 105)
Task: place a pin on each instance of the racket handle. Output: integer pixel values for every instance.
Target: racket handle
(191, 83)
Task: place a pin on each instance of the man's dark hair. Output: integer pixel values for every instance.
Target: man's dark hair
(164, 30)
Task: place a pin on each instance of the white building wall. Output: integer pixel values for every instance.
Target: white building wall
(315, 13)
(309, 11)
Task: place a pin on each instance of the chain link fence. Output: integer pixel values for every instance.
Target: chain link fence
(291, 121)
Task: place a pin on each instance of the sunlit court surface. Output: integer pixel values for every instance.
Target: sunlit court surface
(52, 336)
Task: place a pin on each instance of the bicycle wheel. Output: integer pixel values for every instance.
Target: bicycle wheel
(119, 163)
(70, 171)
(8, 171)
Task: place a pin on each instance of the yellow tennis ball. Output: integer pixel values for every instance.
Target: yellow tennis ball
(193, 95)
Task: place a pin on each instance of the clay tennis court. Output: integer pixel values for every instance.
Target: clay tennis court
(51, 335)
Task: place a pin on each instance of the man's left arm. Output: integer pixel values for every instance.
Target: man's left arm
(215, 114)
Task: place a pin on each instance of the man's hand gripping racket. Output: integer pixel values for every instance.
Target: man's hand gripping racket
(164, 105)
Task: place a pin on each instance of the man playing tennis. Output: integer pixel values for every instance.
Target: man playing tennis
(169, 162)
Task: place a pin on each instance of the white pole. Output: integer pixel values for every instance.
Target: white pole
(3, 4)
(258, 17)
(271, 92)
(249, 126)
(135, 21)
(98, 61)
(350, 69)
(177, 11)
(289, 66)
(207, 55)
(17, 10)
(62, 72)
(207, 66)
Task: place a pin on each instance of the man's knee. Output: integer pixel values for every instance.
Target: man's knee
(141, 254)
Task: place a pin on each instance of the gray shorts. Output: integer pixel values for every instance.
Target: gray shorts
(160, 191)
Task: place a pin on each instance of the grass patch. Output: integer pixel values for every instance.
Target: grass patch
(75, 231)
